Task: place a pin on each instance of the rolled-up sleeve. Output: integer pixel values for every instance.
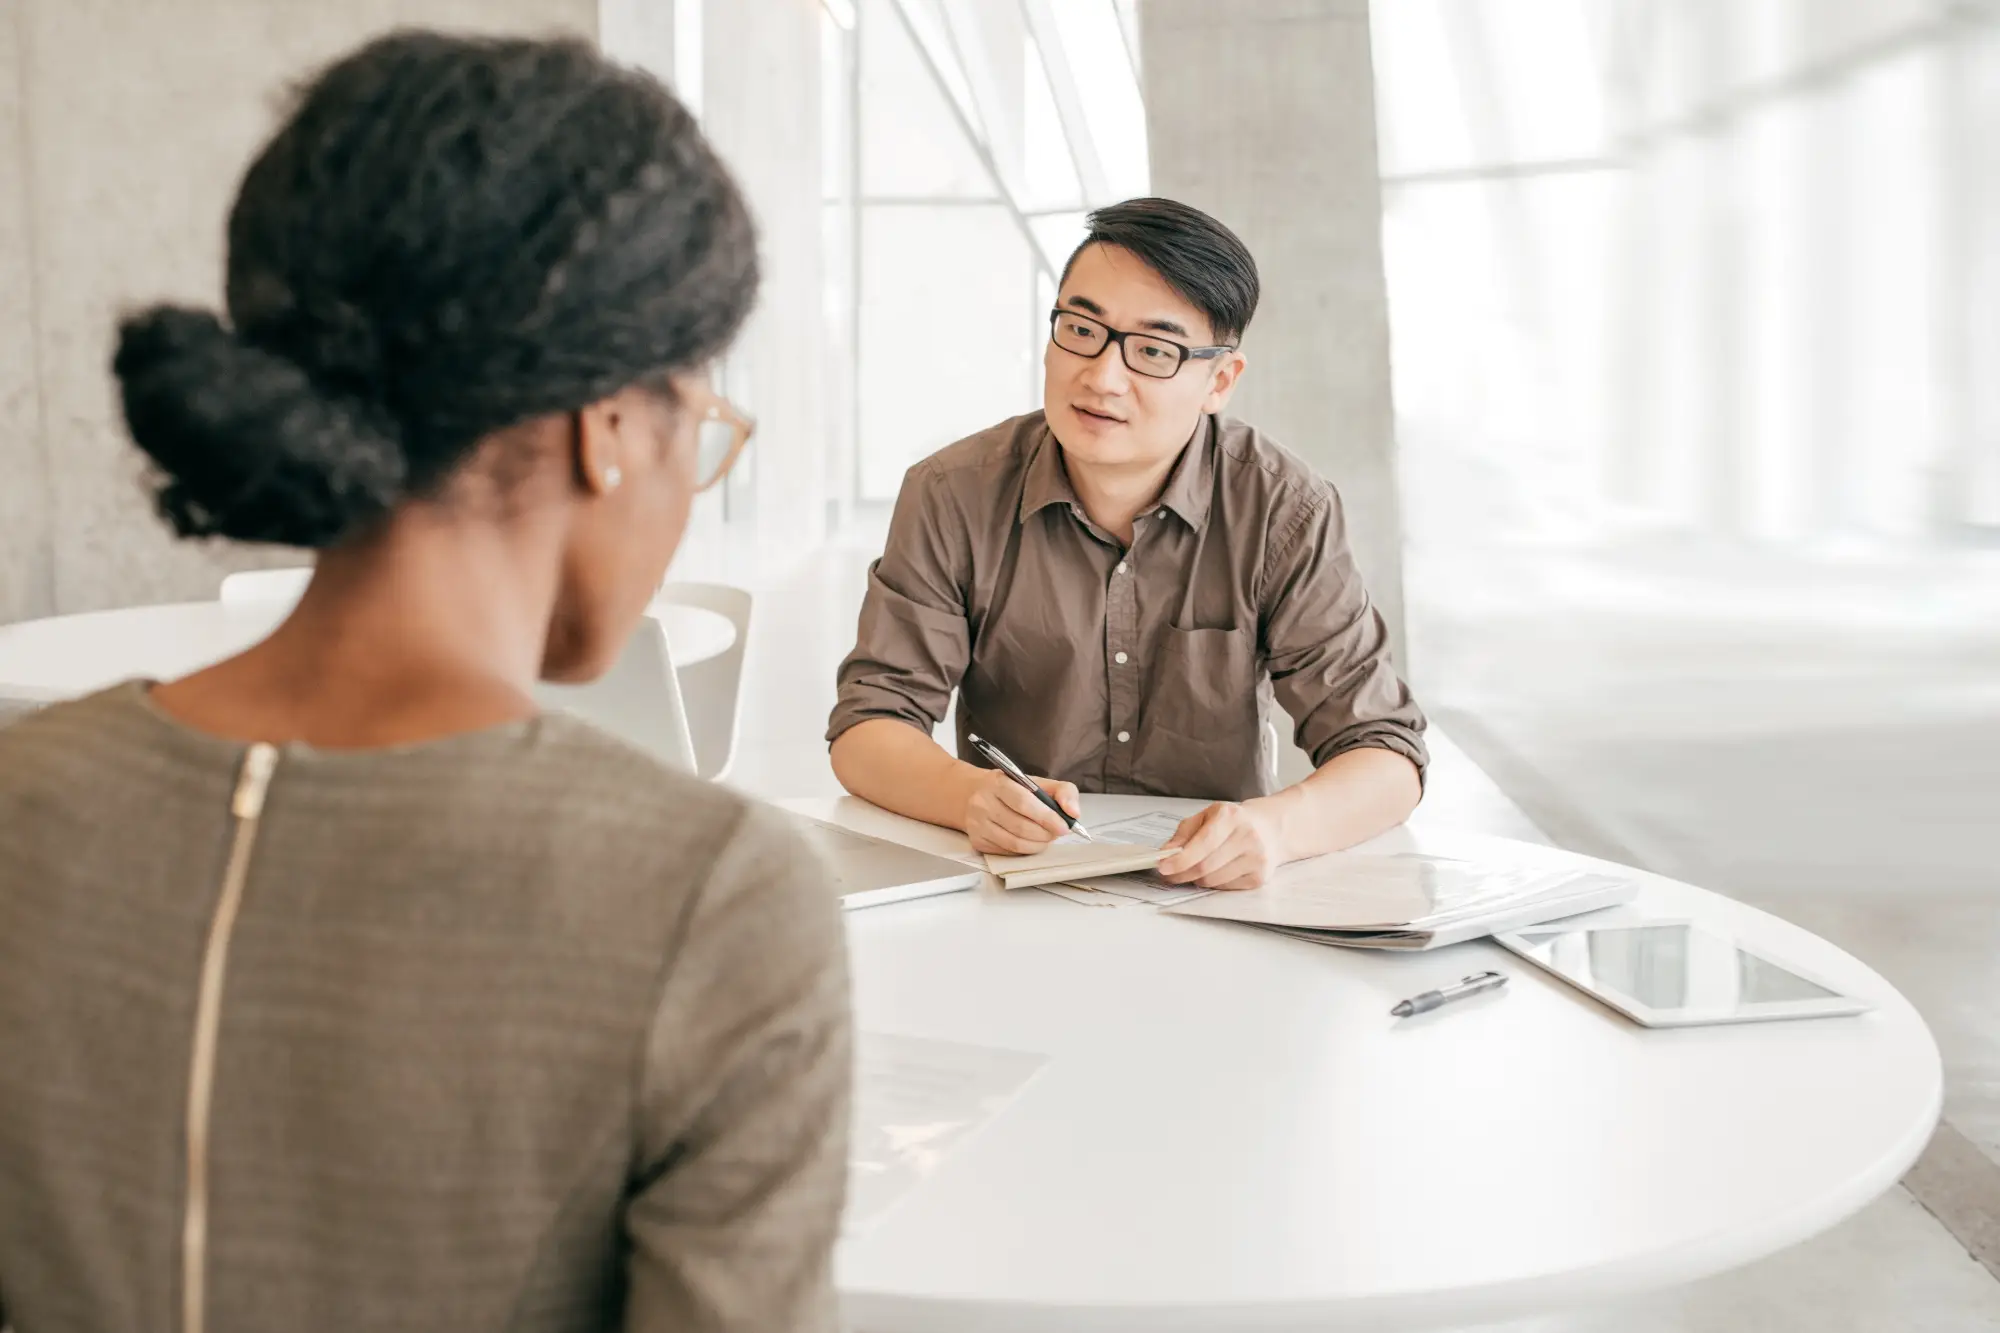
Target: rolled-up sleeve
(913, 641)
(1326, 646)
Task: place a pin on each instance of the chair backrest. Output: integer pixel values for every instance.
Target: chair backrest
(713, 689)
(638, 700)
(265, 585)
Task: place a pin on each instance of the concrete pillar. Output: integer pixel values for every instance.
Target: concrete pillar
(1262, 113)
(124, 129)
(26, 572)
(761, 107)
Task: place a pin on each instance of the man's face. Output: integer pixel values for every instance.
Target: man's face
(1099, 409)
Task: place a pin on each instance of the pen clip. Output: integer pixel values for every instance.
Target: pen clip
(1000, 761)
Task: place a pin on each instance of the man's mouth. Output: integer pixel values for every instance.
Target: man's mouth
(1082, 411)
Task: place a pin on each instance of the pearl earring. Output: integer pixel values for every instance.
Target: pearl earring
(612, 476)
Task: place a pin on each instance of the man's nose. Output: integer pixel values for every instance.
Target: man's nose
(1107, 373)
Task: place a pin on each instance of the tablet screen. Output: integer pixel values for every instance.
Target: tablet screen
(1668, 967)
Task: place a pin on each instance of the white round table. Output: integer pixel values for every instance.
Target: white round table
(1231, 1133)
(65, 656)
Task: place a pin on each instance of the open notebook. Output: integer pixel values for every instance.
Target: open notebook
(1410, 901)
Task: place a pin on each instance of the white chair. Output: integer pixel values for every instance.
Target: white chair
(638, 700)
(713, 689)
(265, 585)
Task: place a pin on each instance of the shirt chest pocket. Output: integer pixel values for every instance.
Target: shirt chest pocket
(1204, 685)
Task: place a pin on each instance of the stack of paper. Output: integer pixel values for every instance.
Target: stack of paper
(1410, 901)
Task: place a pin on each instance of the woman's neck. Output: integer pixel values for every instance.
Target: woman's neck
(428, 628)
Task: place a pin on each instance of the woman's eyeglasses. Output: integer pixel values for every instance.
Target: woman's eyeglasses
(720, 436)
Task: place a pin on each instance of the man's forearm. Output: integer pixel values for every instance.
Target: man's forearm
(899, 768)
(1351, 798)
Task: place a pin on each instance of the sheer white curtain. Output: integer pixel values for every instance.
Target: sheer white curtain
(1716, 267)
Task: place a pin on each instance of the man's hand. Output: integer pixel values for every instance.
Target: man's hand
(1226, 846)
(1003, 818)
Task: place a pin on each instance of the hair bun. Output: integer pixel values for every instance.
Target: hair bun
(249, 447)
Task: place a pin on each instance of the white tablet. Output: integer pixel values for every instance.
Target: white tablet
(1670, 974)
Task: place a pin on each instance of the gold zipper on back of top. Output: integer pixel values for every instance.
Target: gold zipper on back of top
(247, 806)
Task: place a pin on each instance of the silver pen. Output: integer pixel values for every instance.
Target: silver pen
(1007, 766)
(1431, 999)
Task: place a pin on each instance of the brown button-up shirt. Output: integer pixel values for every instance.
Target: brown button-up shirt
(1150, 669)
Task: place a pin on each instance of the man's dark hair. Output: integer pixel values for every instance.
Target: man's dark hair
(1196, 255)
(447, 237)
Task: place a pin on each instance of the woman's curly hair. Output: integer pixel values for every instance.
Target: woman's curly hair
(449, 236)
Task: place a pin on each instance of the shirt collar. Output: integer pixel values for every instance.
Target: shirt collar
(1190, 484)
(1047, 481)
(1187, 492)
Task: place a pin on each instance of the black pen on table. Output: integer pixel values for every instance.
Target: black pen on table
(992, 755)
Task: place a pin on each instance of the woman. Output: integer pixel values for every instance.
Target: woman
(338, 988)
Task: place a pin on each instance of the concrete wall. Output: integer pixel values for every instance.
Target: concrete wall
(25, 572)
(123, 129)
(1262, 112)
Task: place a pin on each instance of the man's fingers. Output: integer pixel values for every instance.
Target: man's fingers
(1065, 794)
(1187, 828)
(1023, 828)
(996, 841)
(1003, 832)
(1018, 844)
(1020, 801)
(1206, 873)
(1224, 872)
(1201, 844)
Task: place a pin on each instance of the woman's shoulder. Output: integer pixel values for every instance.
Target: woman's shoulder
(605, 792)
(593, 770)
(551, 799)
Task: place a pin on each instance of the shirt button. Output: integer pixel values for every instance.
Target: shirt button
(1120, 569)
(1119, 659)
(1124, 736)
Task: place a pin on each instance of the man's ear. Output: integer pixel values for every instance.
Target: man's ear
(1228, 371)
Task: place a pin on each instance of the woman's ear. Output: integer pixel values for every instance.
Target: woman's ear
(598, 446)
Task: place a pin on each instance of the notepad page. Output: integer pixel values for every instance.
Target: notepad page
(1124, 846)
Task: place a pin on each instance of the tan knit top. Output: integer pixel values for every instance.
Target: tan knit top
(509, 1031)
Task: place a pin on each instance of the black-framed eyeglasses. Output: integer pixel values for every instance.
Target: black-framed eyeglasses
(1144, 353)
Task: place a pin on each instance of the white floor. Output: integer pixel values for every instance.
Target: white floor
(1613, 709)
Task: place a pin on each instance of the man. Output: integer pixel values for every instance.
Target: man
(1122, 585)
